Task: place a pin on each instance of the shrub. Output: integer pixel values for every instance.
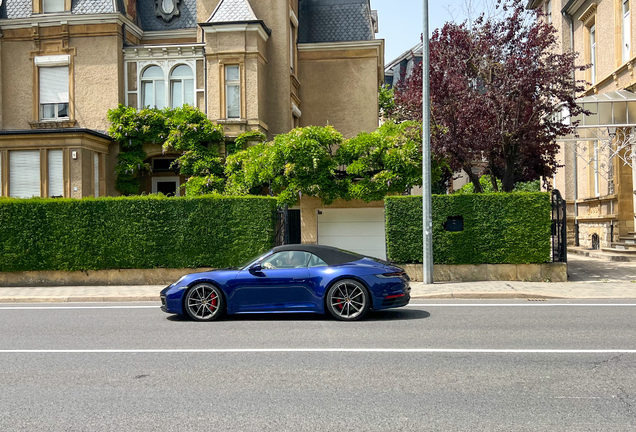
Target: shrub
(133, 232)
(506, 228)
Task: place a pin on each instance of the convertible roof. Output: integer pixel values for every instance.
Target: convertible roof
(330, 255)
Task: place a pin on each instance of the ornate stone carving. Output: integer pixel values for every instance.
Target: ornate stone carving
(167, 9)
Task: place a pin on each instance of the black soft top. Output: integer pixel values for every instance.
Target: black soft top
(330, 255)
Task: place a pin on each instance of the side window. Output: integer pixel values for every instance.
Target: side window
(316, 262)
(286, 260)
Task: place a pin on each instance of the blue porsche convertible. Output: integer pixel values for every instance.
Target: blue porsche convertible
(293, 278)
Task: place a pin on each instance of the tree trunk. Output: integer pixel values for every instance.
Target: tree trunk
(474, 179)
(508, 180)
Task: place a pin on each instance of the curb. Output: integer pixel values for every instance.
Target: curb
(80, 299)
(487, 295)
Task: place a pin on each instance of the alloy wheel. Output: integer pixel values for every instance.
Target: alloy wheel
(348, 300)
(203, 302)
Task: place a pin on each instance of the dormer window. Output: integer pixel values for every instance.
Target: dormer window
(52, 6)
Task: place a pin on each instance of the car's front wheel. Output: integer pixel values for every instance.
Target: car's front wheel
(204, 302)
(348, 300)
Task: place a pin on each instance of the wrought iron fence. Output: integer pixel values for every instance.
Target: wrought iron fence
(559, 228)
(282, 226)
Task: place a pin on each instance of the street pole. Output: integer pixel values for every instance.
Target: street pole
(427, 203)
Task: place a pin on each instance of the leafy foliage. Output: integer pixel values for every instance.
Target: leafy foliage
(316, 161)
(386, 100)
(494, 90)
(184, 130)
(511, 228)
(241, 142)
(487, 186)
(386, 161)
(299, 162)
(133, 232)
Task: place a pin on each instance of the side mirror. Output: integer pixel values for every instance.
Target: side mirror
(256, 268)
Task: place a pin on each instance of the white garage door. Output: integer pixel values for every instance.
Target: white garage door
(357, 230)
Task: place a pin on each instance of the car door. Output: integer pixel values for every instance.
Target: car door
(280, 286)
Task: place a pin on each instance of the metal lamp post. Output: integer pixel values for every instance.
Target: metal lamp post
(427, 203)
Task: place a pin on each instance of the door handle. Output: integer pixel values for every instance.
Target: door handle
(299, 280)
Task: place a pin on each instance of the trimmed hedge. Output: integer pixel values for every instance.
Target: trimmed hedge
(133, 232)
(501, 228)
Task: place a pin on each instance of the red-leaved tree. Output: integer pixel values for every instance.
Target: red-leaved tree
(495, 90)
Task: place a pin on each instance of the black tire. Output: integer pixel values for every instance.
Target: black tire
(348, 300)
(204, 302)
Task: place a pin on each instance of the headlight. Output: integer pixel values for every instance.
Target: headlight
(180, 280)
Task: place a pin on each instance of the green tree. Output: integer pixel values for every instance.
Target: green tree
(386, 161)
(299, 162)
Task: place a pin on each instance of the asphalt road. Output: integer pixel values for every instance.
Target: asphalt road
(445, 365)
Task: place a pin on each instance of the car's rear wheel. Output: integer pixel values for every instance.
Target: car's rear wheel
(204, 302)
(348, 300)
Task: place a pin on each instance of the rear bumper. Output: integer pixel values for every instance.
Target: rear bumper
(396, 295)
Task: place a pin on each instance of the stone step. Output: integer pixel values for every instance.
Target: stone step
(599, 254)
(619, 251)
(628, 240)
(623, 245)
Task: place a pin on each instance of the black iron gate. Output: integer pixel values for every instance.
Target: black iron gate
(559, 228)
(282, 226)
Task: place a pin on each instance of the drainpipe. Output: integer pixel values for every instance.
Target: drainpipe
(575, 165)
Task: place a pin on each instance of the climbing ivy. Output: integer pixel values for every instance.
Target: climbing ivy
(185, 130)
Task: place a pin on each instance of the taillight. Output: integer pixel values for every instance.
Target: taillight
(400, 275)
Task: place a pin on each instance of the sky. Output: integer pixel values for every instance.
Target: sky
(401, 21)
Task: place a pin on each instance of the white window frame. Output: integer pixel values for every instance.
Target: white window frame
(96, 176)
(36, 171)
(43, 63)
(548, 11)
(157, 179)
(183, 87)
(597, 180)
(292, 48)
(626, 31)
(51, 180)
(593, 52)
(154, 81)
(232, 83)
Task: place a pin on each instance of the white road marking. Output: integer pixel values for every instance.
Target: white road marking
(76, 307)
(521, 304)
(316, 350)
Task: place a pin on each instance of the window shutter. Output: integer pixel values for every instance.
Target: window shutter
(96, 174)
(56, 173)
(24, 166)
(53, 85)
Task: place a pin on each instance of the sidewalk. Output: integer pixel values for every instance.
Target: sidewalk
(465, 290)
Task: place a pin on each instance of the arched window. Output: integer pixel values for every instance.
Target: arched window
(153, 88)
(181, 86)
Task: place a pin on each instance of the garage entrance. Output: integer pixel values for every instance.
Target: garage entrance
(358, 230)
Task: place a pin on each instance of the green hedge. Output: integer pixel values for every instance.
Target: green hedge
(511, 228)
(133, 232)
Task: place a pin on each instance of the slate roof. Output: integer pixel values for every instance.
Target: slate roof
(145, 12)
(150, 22)
(92, 6)
(24, 8)
(18, 8)
(233, 11)
(335, 21)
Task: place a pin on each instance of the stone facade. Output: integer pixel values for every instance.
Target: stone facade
(144, 52)
(599, 189)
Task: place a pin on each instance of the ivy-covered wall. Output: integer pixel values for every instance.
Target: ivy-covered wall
(133, 232)
(503, 228)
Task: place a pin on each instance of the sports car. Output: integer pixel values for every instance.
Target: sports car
(292, 279)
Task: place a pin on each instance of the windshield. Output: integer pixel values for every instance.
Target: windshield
(255, 260)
